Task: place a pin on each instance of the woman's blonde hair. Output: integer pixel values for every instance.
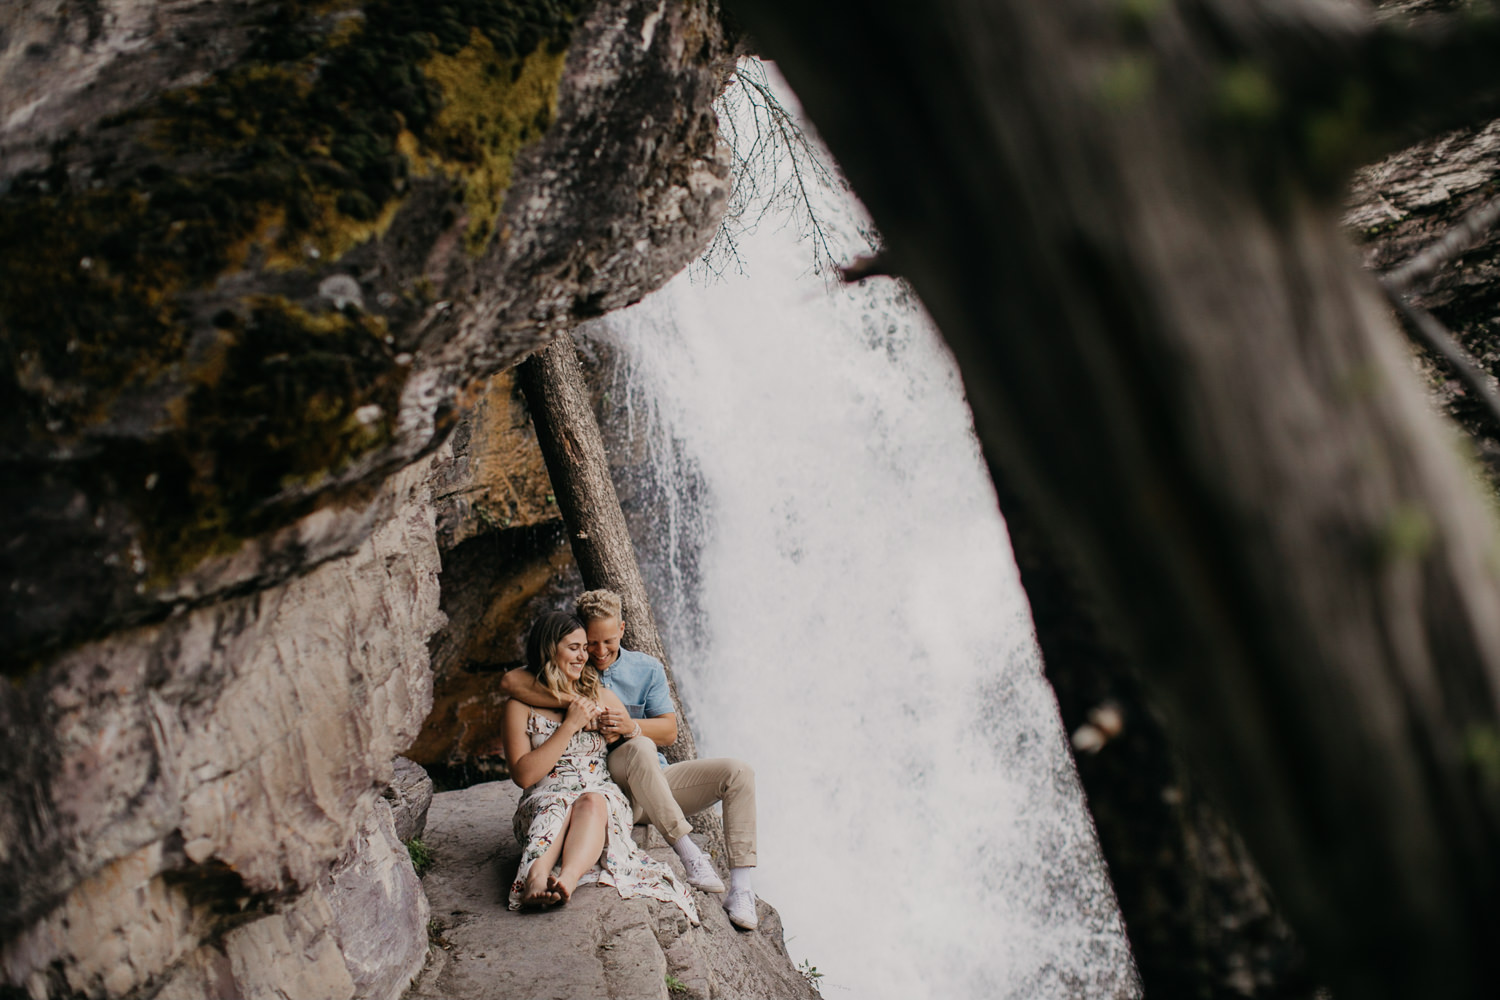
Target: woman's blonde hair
(541, 656)
(593, 605)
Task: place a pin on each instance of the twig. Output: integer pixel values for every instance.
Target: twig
(794, 139)
(1428, 331)
(1458, 240)
(779, 171)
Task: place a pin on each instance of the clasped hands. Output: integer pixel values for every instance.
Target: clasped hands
(611, 723)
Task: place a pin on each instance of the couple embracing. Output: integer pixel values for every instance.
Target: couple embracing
(581, 732)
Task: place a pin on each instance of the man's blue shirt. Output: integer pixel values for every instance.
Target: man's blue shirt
(641, 682)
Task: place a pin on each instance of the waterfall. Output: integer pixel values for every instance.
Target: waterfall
(836, 590)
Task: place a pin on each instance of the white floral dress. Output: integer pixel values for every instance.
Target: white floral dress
(544, 807)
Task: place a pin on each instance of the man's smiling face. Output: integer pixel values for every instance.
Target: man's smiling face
(604, 641)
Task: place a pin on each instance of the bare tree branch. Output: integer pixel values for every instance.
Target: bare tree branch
(781, 171)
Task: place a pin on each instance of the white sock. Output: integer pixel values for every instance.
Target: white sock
(686, 849)
(739, 878)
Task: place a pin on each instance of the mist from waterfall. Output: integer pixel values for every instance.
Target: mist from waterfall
(837, 594)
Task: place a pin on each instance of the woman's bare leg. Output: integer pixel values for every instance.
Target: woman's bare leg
(584, 843)
(539, 889)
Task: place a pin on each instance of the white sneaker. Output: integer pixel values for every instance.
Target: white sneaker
(740, 905)
(701, 874)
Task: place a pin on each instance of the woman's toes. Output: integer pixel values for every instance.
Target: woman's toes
(539, 892)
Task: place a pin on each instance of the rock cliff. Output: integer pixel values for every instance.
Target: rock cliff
(248, 284)
(180, 798)
(257, 262)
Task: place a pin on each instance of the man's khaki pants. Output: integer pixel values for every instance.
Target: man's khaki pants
(666, 797)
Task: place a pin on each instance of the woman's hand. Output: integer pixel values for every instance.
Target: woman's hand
(581, 713)
(614, 724)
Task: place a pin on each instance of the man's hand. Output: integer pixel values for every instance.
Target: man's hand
(614, 724)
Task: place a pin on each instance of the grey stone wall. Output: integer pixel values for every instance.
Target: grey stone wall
(203, 777)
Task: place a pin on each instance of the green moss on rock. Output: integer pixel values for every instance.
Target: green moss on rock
(286, 398)
(493, 106)
(285, 162)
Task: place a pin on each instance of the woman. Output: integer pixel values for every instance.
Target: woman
(573, 819)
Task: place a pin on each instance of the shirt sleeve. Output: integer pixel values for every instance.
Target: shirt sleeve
(658, 697)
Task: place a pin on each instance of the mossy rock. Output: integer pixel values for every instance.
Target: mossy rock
(287, 163)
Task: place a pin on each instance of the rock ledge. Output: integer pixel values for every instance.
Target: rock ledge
(598, 945)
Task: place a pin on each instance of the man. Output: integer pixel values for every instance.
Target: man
(663, 794)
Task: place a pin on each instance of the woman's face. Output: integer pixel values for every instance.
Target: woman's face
(572, 653)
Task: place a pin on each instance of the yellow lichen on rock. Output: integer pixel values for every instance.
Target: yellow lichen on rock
(418, 163)
(493, 106)
(329, 235)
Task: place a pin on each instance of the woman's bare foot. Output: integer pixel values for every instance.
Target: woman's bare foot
(563, 884)
(540, 891)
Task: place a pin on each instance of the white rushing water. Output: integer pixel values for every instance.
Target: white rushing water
(837, 593)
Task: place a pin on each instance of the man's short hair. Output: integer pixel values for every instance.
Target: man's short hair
(593, 605)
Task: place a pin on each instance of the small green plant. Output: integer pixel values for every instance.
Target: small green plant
(421, 855)
(676, 986)
(810, 973)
